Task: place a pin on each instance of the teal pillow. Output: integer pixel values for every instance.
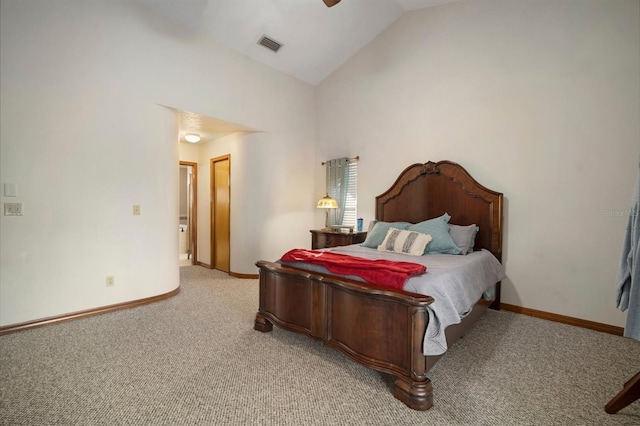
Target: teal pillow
(438, 228)
(375, 237)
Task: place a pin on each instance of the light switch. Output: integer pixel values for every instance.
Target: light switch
(136, 210)
(10, 190)
(13, 209)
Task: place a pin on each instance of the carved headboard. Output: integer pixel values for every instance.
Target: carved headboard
(425, 191)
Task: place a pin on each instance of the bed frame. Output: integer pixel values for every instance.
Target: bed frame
(378, 327)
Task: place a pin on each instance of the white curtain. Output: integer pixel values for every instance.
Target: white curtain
(337, 177)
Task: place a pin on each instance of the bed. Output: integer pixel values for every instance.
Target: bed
(376, 326)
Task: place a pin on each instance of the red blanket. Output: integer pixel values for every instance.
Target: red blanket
(382, 272)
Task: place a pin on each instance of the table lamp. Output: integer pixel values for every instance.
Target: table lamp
(327, 203)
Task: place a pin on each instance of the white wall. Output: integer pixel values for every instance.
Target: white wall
(84, 138)
(269, 197)
(189, 152)
(537, 99)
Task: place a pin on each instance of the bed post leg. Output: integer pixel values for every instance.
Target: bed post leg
(416, 395)
(496, 303)
(262, 324)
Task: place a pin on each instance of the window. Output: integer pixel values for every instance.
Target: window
(351, 203)
(342, 185)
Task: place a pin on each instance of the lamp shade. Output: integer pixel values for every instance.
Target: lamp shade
(327, 202)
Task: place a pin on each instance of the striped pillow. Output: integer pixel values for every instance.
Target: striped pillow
(403, 241)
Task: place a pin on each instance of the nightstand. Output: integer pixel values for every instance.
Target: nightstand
(324, 238)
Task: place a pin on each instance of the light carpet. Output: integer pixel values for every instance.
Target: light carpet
(195, 359)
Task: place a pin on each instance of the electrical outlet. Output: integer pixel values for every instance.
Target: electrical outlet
(136, 210)
(110, 281)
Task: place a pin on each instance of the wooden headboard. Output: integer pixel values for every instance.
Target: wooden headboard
(425, 191)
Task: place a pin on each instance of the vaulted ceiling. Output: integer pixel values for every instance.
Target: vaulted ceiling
(316, 39)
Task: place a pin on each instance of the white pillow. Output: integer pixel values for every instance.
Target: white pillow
(403, 241)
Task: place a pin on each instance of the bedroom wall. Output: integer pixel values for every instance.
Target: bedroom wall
(284, 198)
(85, 137)
(537, 99)
(272, 194)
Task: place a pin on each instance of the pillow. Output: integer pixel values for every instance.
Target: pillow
(379, 231)
(464, 236)
(406, 242)
(438, 228)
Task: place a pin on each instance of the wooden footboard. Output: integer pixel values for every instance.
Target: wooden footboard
(373, 326)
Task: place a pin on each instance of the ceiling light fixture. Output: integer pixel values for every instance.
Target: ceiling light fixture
(192, 137)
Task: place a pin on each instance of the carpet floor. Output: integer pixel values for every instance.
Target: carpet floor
(195, 359)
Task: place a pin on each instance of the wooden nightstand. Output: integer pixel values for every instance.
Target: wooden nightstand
(323, 238)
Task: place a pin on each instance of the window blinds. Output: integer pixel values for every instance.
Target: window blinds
(342, 185)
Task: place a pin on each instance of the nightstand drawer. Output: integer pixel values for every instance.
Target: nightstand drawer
(325, 239)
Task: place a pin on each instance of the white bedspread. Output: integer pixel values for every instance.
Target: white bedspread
(455, 282)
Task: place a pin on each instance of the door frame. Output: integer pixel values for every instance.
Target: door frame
(213, 203)
(193, 216)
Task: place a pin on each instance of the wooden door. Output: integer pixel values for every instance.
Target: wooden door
(220, 212)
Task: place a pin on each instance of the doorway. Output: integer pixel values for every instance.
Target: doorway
(188, 210)
(221, 212)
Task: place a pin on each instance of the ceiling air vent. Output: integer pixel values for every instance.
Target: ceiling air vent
(269, 43)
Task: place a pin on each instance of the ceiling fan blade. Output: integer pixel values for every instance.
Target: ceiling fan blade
(330, 3)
